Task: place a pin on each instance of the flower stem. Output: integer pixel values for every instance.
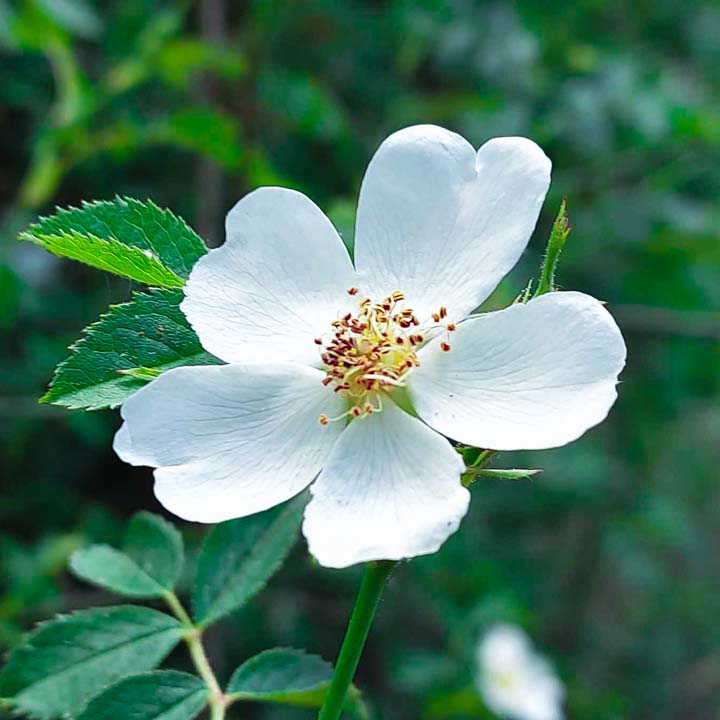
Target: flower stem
(373, 582)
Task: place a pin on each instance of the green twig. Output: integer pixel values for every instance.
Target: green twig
(193, 639)
(373, 582)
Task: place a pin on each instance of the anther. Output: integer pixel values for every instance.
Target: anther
(323, 419)
(452, 327)
(352, 291)
(445, 347)
(443, 312)
(318, 341)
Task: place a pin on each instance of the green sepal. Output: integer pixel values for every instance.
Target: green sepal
(559, 234)
(506, 474)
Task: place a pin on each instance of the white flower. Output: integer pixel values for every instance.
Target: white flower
(514, 680)
(310, 340)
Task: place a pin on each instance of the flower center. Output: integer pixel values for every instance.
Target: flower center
(372, 352)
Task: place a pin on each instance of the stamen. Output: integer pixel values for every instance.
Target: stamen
(371, 352)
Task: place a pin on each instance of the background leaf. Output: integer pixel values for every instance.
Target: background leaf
(149, 332)
(148, 567)
(240, 556)
(64, 662)
(164, 694)
(134, 223)
(110, 255)
(109, 568)
(156, 545)
(287, 677)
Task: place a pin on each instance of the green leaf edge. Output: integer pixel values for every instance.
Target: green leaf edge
(208, 618)
(133, 203)
(149, 270)
(64, 400)
(150, 673)
(77, 556)
(353, 704)
(11, 701)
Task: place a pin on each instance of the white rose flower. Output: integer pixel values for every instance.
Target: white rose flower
(514, 680)
(312, 341)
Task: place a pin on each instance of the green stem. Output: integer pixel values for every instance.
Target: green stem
(193, 640)
(373, 582)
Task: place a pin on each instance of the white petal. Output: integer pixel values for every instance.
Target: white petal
(442, 223)
(279, 280)
(229, 440)
(390, 490)
(527, 377)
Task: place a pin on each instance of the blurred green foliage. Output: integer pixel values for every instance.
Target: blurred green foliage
(611, 557)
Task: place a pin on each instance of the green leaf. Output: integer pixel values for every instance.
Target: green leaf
(66, 661)
(133, 223)
(560, 231)
(287, 677)
(156, 546)
(149, 566)
(149, 332)
(109, 255)
(160, 695)
(109, 568)
(240, 556)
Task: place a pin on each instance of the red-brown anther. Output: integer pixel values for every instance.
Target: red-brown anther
(452, 327)
(327, 380)
(443, 312)
(436, 317)
(318, 341)
(353, 291)
(445, 347)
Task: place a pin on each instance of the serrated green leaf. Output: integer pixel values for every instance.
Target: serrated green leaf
(66, 661)
(150, 331)
(238, 557)
(109, 568)
(110, 255)
(136, 224)
(160, 695)
(148, 566)
(142, 373)
(156, 546)
(287, 677)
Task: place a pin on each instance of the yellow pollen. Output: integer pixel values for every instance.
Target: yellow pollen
(370, 353)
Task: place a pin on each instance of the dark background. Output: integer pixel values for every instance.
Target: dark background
(611, 558)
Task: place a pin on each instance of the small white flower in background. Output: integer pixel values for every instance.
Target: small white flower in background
(514, 680)
(317, 349)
